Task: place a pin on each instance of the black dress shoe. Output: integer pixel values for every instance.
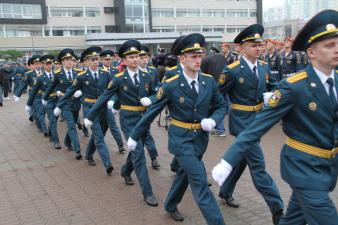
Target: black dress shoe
(155, 164)
(232, 202)
(91, 162)
(277, 216)
(109, 170)
(79, 126)
(151, 200)
(128, 180)
(31, 118)
(57, 146)
(85, 133)
(78, 156)
(121, 149)
(45, 134)
(177, 216)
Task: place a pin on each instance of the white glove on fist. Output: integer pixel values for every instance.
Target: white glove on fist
(44, 102)
(16, 98)
(87, 123)
(131, 144)
(77, 94)
(28, 108)
(221, 172)
(208, 124)
(266, 97)
(58, 93)
(57, 111)
(145, 101)
(110, 104)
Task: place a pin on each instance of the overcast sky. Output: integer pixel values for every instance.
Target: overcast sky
(272, 3)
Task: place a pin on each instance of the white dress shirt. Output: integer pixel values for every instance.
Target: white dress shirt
(251, 66)
(323, 78)
(189, 80)
(131, 75)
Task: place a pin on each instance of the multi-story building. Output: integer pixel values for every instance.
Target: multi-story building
(36, 25)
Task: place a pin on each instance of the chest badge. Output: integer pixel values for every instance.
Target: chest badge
(61, 81)
(241, 80)
(313, 84)
(313, 106)
(87, 82)
(125, 88)
(181, 99)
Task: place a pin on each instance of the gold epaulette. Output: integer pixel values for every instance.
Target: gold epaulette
(172, 78)
(77, 69)
(29, 71)
(234, 64)
(104, 69)
(172, 68)
(297, 77)
(57, 71)
(82, 73)
(119, 74)
(152, 67)
(336, 71)
(207, 75)
(261, 61)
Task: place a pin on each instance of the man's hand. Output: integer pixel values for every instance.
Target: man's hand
(87, 123)
(110, 104)
(77, 94)
(131, 144)
(145, 101)
(208, 124)
(221, 172)
(57, 111)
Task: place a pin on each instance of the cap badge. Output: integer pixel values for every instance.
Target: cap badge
(330, 27)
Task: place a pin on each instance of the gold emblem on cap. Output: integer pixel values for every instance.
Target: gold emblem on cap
(133, 49)
(181, 99)
(330, 27)
(94, 53)
(313, 84)
(68, 54)
(197, 45)
(241, 80)
(313, 106)
(257, 35)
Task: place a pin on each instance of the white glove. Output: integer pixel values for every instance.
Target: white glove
(208, 124)
(145, 101)
(110, 104)
(266, 97)
(16, 98)
(115, 111)
(77, 94)
(44, 102)
(57, 111)
(28, 108)
(221, 172)
(131, 144)
(58, 93)
(87, 123)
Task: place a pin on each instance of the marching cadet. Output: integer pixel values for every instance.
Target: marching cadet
(307, 103)
(57, 64)
(91, 83)
(290, 61)
(41, 84)
(245, 81)
(18, 74)
(28, 80)
(196, 107)
(132, 88)
(230, 57)
(152, 72)
(63, 79)
(272, 58)
(107, 57)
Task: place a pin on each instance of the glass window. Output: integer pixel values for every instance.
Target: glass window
(23, 30)
(7, 10)
(164, 29)
(66, 12)
(93, 29)
(92, 11)
(187, 13)
(235, 28)
(68, 31)
(237, 13)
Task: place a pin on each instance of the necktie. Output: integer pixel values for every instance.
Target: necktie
(193, 88)
(70, 77)
(50, 76)
(254, 72)
(332, 96)
(96, 78)
(135, 80)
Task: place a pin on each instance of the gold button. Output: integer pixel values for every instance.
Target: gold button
(195, 110)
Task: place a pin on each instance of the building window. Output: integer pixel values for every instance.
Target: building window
(164, 29)
(188, 28)
(162, 12)
(20, 11)
(213, 13)
(213, 28)
(92, 11)
(93, 29)
(66, 12)
(237, 13)
(68, 31)
(23, 30)
(235, 28)
(137, 15)
(187, 13)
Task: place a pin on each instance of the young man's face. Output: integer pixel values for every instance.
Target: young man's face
(107, 62)
(287, 44)
(325, 52)
(47, 66)
(68, 63)
(93, 63)
(251, 50)
(191, 61)
(144, 60)
(131, 60)
(225, 49)
(57, 66)
(270, 46)
(37, 65)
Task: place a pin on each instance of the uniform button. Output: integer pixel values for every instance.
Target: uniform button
(195, 120)
(195, 110)
(257, 100)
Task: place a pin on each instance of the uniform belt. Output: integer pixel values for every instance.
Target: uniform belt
(90, 100)
(312, 150)
(133, 108)
(249, 108)
(191, 126)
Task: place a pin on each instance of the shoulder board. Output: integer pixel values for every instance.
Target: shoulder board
(172, 78)
(207, 75)
(172, 68)
(82, 73)
(39, 75)
(297, 77)
(57, 71)
(29, 71)
(104, 69)
(152, 67)
(114, 67)
(119, 74)
(261, 61)
(77, 69)
(234, 64)
(336, 71)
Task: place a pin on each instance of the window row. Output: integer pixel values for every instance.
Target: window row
(40, 31)
(220, 13)
(200, 28)
(54, 11)
(20, 11)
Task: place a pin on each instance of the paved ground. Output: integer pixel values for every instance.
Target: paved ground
(39, 185)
